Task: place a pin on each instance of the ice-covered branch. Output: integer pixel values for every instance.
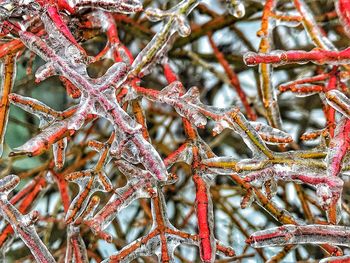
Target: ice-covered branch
(309, 234)
(23, 225)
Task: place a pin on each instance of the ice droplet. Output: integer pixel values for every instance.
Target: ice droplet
(236, 8)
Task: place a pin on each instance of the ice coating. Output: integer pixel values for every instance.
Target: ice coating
(139, 181)
(15, 8)
(188, 105)
(8, 75)
(311, 27)
(22, 224)
(45, 71)
(157, 48)
(125, 149)
(122, 6)
(282, 57)
(293, 234)
(328, 189)
(76, 250)
(342, 8)
(48, 136)
(250, 164)
(59, 152)
(339, 101)
(74, 69)
(342, 259)
(89, 182)
(205, 216)
(183, 104)
(271, 135)
(338, 147)
(162, 239)
(45, 114)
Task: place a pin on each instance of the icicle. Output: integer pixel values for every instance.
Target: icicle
(45, 114)
(41, 142)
